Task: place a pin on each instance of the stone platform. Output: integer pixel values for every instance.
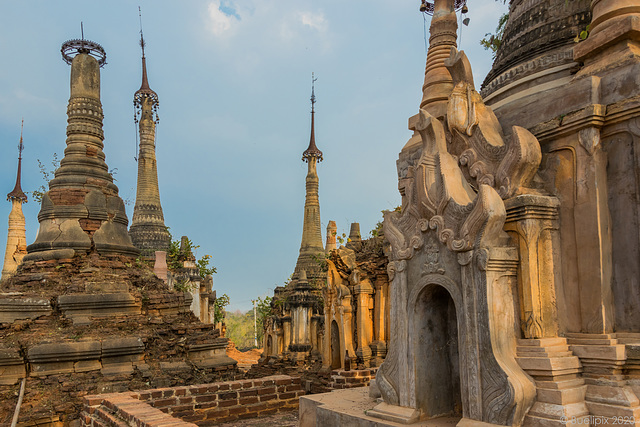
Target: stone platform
(349, 408)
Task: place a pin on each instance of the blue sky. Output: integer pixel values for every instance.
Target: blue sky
(234, 81)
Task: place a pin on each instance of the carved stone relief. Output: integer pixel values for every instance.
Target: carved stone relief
(451, 266)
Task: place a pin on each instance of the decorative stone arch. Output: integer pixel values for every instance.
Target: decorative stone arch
(420, 399)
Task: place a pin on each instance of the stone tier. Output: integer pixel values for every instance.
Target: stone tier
(560, 391)
(14, 307)
(82, 307)
(609, 395)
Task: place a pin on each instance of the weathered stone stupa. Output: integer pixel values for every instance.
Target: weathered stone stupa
(294, 331)
(16, 235)
(82, 211)
(80, 316)
(147, 231)
(311, 246)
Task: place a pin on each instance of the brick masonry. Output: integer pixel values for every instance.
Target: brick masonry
(349, 379)
(201, 405)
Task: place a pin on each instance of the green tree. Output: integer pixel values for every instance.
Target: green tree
(47, 175)
(240, 328)
(179, 253)
(493, 41)
(218, 308)
(263, 310)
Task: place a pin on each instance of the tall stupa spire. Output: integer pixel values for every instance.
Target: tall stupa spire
(311, 245)
(17, 192)
(147, 231)
(16, 235)
(438, 83)
(82, 211)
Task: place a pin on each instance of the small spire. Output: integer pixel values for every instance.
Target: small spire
(145, 92)
(144, 87)
(17, 193)
(312, 151)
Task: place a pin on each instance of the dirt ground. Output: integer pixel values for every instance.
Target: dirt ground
(283, 419)
(245, 359)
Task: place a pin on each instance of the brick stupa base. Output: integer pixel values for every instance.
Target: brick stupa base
(95, 324)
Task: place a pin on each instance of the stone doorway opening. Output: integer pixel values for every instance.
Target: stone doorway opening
(336, 360)
(437, 360)
(269, 345)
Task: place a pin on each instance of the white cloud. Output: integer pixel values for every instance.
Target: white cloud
(316, 21)
(220, 20)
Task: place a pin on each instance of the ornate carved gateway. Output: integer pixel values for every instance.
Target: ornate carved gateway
(453, 291)
(454, 294)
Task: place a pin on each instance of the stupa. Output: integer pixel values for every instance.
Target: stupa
(82, 211)
(147, 231)
(16, 235)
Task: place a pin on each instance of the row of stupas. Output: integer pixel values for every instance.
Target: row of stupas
(82, 210)
(79, 307)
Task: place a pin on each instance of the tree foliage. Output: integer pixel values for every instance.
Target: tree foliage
(179, 253)
(263, 310)
(240, 329)
(47, 175)
(218, 308)
(493, 41)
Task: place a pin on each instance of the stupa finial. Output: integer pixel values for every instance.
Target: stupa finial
(17, 193)
(145, 92)
(312, 151)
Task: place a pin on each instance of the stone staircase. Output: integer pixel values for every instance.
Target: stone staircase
(609, 396)
(560, 390)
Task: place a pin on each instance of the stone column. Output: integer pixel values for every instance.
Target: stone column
(593, 234)
(379, 345)
(354, 232)
(160, 266)
(363, 291)
(332, 230)
(286, 328)
(346, 314)
(314, 331)
(534, 220)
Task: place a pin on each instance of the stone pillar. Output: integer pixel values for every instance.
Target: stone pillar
(314, 331)
(354, 232)
(593, 234)
(363, 291)
(379, 345)
(534, 220)
(82, 211)
(286, 335)
(346, 313)
(332, 231)
(160, 266)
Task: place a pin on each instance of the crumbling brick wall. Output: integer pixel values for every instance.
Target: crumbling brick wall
(204, 405)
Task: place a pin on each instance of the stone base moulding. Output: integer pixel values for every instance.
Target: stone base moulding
(18, 308)
(81, 307)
